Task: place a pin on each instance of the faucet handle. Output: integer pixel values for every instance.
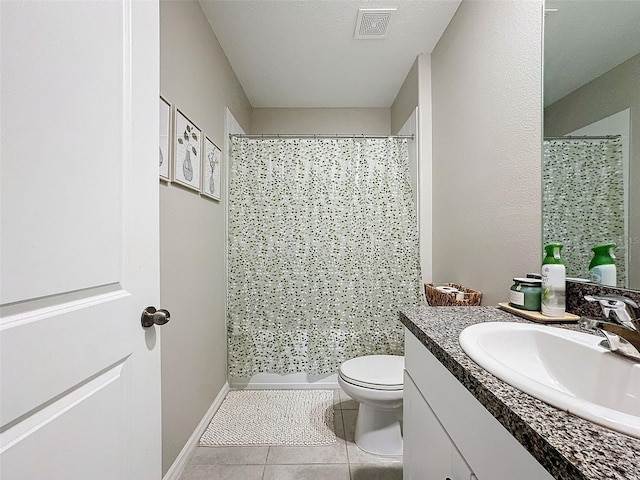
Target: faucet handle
(611, 300)
(617, 308)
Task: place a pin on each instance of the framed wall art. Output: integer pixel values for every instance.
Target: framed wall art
(186, 152)
(211, 163)
(165, 128)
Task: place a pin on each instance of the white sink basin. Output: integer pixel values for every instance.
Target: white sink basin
(564, 368)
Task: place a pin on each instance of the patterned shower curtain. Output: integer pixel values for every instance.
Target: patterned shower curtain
(323, 251)
(583, 200)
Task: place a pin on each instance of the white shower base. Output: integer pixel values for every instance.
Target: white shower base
(263, 381)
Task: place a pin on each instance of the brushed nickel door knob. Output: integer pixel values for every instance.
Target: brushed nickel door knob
(151, 317)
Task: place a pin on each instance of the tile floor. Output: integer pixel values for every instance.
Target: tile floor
(343, 461)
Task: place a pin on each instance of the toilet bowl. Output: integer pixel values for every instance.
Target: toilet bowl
(376, 382)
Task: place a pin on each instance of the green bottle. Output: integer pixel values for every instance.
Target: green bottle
(602, 268)
(553, 282)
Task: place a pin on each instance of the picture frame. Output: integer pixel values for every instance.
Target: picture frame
(187, 147)
(165, 140)
(211, 165)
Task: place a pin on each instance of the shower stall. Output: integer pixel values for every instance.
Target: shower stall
(322, 252)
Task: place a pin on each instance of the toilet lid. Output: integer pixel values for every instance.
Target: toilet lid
(383, 372)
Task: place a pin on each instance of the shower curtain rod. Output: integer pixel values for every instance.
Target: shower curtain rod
(317, 135)
(584, 137)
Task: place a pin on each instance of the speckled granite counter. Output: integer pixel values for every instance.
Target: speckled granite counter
(569, 447)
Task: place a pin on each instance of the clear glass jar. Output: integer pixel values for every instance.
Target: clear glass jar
(526, 294)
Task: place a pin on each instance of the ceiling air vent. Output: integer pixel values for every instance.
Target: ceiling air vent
(372, 23)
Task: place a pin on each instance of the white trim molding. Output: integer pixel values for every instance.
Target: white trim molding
(299, 381)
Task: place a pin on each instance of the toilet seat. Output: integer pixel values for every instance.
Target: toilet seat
(379, 372)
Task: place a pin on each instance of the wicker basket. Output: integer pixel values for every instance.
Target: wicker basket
(436, 298)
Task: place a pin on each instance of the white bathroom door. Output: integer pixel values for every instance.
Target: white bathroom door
(79, 261)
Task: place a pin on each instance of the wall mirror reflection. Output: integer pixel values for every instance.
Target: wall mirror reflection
(591, 149)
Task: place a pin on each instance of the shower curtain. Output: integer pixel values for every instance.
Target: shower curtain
(583, 200)
(323, 251)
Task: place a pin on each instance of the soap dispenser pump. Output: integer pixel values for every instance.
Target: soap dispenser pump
(602, 268)
(553, 282)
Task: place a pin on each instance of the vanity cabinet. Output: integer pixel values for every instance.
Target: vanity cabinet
(432, 453)
(449, 434)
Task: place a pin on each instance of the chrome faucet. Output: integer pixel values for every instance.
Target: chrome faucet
(622, 327)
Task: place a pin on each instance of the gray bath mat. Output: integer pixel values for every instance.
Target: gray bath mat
(273, 417)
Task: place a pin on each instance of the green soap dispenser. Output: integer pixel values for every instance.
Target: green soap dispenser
(553, 282)
(602, 268)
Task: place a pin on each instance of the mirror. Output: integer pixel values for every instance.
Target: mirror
(591, 184)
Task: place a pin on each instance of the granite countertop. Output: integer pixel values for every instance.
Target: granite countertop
(569, 447)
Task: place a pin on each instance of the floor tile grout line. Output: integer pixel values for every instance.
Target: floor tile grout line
(346, 446)
(344, 434)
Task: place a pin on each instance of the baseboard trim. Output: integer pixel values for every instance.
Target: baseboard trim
(296, 381)
(284, 386)
(181, 460)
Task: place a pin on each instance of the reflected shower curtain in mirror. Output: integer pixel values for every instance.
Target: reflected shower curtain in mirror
(583, 200)
(323, 252)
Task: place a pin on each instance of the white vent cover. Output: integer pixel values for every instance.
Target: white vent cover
(372, 23)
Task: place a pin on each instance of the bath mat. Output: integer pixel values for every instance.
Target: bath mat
(273, 417)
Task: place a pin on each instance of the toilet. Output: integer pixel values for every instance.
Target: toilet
(376, 382)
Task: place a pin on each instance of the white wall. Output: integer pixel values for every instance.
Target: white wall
(406, 100)
(372, 121)
(425, 156)
(486, 74)
(411, 128)
(195, 75)
(414, 100)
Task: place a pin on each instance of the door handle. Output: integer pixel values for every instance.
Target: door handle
(151, 317)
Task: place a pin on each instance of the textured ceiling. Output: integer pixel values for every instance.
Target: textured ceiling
(301, 53)
(585, 39)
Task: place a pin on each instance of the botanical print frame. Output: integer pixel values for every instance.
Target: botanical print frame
(211, 163)
(187, 148)
(164, 139)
